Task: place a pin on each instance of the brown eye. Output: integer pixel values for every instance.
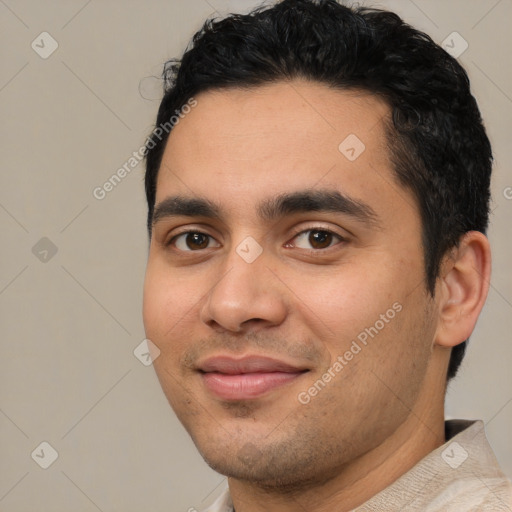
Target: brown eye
(316, 239)
(196, 241)
(320, 239)
(193, 241)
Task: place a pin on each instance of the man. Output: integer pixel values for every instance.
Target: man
(318, 190)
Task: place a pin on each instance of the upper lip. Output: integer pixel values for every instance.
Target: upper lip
(247, 364)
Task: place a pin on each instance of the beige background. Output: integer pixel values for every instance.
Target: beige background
(70, 324)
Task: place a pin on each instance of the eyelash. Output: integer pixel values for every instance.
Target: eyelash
(295, 235)
(319, 229)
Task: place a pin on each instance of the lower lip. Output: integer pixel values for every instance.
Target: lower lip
(247, 385)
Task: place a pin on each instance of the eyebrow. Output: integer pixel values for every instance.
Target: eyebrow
(273, 208)
(185, 207)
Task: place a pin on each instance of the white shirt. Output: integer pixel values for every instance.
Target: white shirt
(462, 475)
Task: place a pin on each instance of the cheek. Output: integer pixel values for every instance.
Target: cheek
(167, 304)
(153, 305)
(166, 301)
(348, 299)
(366, 313)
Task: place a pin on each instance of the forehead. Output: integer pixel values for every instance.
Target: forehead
(240, 145)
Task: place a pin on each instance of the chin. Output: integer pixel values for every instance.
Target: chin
(283, 467)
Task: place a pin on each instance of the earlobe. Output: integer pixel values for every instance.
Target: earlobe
(464, 284)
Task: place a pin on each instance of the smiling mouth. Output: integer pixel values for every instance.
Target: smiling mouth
(247, 378)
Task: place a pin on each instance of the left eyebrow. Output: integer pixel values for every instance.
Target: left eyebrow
(317, 201)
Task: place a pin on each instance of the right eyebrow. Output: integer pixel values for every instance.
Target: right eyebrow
(183, 206)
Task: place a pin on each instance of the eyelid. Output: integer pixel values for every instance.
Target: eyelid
(317, 227)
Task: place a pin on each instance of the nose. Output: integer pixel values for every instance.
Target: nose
(248, 297)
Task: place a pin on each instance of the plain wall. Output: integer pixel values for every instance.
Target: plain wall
(71, 322)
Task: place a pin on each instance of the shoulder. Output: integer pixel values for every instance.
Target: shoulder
(474, 494)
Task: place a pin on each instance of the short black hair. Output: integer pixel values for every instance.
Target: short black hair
(437, 141)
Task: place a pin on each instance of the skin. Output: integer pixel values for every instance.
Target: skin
(302, 303)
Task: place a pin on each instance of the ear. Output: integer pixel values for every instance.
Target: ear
(464, 284)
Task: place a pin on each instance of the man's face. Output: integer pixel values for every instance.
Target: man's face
(288, 300)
